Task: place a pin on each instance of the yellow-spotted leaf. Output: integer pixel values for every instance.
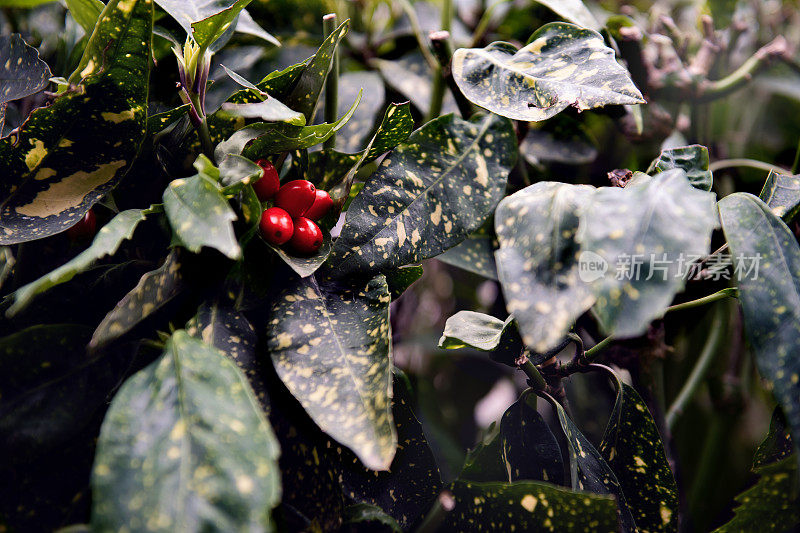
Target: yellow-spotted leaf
(693, 159)
(528, 506)
(200, 215)
(330, 346)
(589, 470)
(68, 155)
(767, 260)
(105, 243)
(475, 254)
(781, 193)
(24, 73)
(536, 262)
(428, 195)
(154, 290)
(185, 447)
(633, 448)
(85, 12)
(777, 444)
(563, 65)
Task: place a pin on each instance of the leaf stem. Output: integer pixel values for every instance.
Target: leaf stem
(433, 520)
(440, 43)
(698, 373)
(417, 29)
(592, 352)
(744, 162)
(730, 292)
(329, 24)
(535, 377)
(796, 157)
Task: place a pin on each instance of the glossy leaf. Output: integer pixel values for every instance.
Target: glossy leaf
(537, 260)
(693, 159)
(475, 254)
(428, 195)
(566, 142)
(269, 110)
(85, 12)
(407, 490)
(305, 266)
(105, 243)
(564, 65)
(573, 11)
(200, 215)
(261, 138)
(330, 346)
(528, 506)
(485, 462)
(236, 171)
(59, 165)
(154, 290)
(634, 451)
(589, 470)
(481, 332)
(781, 193)
(23, 72)
(776, 445)
(772, 504)
(368, 518)
(185, 447)
(770, 297)
(401, 279)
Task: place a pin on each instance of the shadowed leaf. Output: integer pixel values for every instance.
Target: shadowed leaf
(330, 346)
(692, 159)
(428, 195)
(573, 11)
(59, 165)
(23, 72)
(85, 12)
(481, 332)
(776, 445)
(185, 447)
(564, 65)
(475, 254)
(781, 193)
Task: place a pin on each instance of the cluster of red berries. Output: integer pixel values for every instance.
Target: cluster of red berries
(297, 205)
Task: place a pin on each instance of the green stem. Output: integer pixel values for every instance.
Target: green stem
(433, 520)
(417, 29)
(743, 162)
(437, 94)
(730, 292)
(483, 24)
(537, 381)
(592, 352)
(329, 24)
(698, 374)
(796, 157)
(202, 128)
(440, 43)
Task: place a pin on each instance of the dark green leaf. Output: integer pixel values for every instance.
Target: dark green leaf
(413, 481)
(634, 450)
(247, 25)
(236, 171)
(185, 447)
(85, 13)
(776, 445)
(401, 279)
(589, 470)
(106, 242)
(770, 295)
(537, 260)
(330, 346)
(305, 266)
(482, 332)
(560, 140)
(781, 193)
(353, 136)
(564, 65)
(23, 72)
(475, 254)
(693, 159)
(262, 138)
(428, 195)
(306, 92)
(200, 215)
(772, 504)
(154, 290)
(411, 76)
(528, 506)
(157, 122)
(368, 518)
(485, 462)
(70, 154)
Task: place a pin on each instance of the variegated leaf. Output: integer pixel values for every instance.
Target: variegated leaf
(105, 243)
(185, 447)
(770, 295)
(154, 290)
(70, 154)
(428, 195)
(485, 333)
(777, 444)
(537, 260)
(401, 279)
(330, 346)
(475, 254)
(781, 193)
(269, 110)
(563, 65)
(634, 451)
(23, 72)
(528, 506)
(693, 159)
(573, 11)
(200, 215)
(85, 13)
(590, 471)
(305, 266)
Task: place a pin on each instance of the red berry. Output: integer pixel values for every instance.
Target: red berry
(276, 226)
(269, 182)
(296, 197)
(322, 204)
(307, 236)
(85, 227)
